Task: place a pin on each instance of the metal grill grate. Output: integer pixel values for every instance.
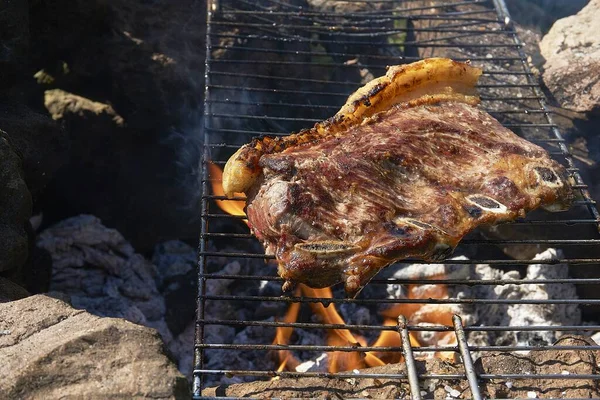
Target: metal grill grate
(277, 66)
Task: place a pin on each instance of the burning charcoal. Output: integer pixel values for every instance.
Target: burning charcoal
(176, 263)
(318, 365)
(523, 314)
(242, 360)
(180, 348)
(101, 271)
(355, 314)
(542, 314)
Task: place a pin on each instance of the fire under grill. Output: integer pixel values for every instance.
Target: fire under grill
(277, 66)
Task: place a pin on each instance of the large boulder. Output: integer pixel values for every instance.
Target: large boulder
(15, 208)
(10, 291)
(102, 274)
(14, 39)
(572, 52)
(50, 350)
(41, 142)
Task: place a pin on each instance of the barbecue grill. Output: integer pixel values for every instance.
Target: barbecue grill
(277, 66)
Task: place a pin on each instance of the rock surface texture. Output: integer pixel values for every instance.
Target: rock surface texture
(572, 52)
(15, 208)
(102, 274)
(50, 350)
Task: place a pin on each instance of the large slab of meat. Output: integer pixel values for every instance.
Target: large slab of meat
(407, 167)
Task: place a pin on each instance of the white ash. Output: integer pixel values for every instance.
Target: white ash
(319, 364)
(502, 314)
(526, 314)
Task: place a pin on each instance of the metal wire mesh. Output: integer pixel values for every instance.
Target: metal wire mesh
(277, 66)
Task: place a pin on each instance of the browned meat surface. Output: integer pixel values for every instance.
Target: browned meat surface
(408, 182)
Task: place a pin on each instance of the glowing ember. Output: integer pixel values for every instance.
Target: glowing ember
(233, 207)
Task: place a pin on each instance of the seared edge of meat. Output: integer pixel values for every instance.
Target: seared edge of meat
(428, 81)
(423, 177)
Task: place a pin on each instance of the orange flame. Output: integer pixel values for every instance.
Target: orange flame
(437, 314)
(233, 207)
(282, 337)
(339, 360)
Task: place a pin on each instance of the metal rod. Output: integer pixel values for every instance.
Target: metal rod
(412, 328)
(326, 301)
(289, 374)
(386, 349)
(466, 357)
(424, 281)
(409, 359)
(198, 379)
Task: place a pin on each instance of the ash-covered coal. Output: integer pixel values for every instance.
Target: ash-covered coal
(473, 314)
(486, 314)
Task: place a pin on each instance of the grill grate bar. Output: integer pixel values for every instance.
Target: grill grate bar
(336, 54)
(323, 106)
(409, 359)
(327, 301)
(346, 93)
(592, 261)
(389, 349)
(518, 222)
(287, 374)
(380, 16)
(374, 67)
(466, 357)
(467, 282)
(352, 85)
(376, 18)
(297, 39)
(415, 328)
(432, 7)
(242, 131)
(314, 120)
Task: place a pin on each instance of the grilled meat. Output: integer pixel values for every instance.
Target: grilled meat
(405, 174)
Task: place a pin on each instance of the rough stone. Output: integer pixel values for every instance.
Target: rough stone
(10, 291)
(51, 350)
(14, 36)
(61, 104)
(41, 142)
(572, 52)
(15, 208)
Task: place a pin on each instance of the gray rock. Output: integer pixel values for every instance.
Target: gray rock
(572, 52)
(14, 38)
(178, 282)
(101, 271)
(51, 350)
(15, 208)
(40, 141)
(10, 291)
